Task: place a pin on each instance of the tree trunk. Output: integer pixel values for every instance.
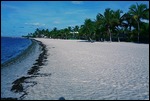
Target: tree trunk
(130, 28)
(138, 32)
(118, 39)
(91, 40)
(100, 37)
(109, 34)
(66, 35)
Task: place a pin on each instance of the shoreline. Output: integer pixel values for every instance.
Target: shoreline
(20, 56)
(77, 70)
(17, 85)
(83, 70)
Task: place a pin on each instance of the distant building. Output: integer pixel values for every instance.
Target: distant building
(74, 32)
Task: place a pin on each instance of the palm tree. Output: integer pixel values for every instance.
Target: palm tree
(99, 26)
(127, 23)
(138, 12)
(76, 30)
(117, 23)
(82, 32)
(46, 32)
(54, 32)
(145, 32)
(70, 30)
(89, 29)
(107, 20)
(62, 33)
(127, 20)
(38, 32)
(66, 31)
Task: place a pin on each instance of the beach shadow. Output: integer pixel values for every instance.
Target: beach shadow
(86, 41)
(61, 98)
(9, 98)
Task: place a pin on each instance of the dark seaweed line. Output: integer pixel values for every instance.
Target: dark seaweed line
(33, 72)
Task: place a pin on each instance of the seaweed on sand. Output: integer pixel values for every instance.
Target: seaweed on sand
(33, 72)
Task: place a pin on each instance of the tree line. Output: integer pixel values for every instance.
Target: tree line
(109, 26)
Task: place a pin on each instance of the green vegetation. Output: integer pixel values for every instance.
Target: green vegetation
(110, 26)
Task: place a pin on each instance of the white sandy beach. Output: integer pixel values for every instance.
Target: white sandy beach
(91, 71)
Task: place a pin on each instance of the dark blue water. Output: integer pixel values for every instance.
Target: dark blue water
(12, 46)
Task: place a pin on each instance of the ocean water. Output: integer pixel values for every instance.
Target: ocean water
(12, 47)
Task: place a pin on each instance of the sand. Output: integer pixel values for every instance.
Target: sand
(17, 69)
(80, 70)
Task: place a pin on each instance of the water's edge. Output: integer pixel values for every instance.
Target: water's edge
(20, 56)
(18, 86)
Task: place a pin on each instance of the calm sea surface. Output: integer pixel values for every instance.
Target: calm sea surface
(12, 46)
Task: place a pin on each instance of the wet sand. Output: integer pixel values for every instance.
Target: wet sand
(24, 66)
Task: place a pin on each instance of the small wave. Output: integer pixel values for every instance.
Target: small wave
(20, 53)
(12, 47)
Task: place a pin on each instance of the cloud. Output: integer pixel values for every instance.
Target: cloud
(77, 2)
(9, 6)
(35, 24)
(56, 22)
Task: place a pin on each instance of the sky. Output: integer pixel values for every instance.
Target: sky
(22, 17)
